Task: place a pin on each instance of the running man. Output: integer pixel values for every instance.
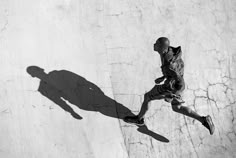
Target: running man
(173, 71)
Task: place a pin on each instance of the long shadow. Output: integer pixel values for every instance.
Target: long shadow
(62, 85)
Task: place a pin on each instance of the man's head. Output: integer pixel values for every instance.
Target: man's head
(36, 71)
(161, 45)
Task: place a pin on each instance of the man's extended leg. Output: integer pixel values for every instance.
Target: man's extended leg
(206, 121)
(153, 94)
(177, 107)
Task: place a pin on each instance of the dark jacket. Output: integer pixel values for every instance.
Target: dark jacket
(172, 63)
(173, 70)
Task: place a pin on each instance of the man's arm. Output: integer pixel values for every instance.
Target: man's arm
(160, 79)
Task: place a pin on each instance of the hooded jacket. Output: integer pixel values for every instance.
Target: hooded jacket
(172, 63)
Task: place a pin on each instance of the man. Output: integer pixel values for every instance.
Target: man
(173, 72)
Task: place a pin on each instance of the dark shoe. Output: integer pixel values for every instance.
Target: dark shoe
(134, 120)
(209, 124)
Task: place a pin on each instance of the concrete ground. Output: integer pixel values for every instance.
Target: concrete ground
(97, 61)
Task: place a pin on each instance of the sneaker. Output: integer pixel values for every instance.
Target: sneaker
(208, 124)
(134, 120)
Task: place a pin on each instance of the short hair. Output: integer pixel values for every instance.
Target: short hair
(163, 41)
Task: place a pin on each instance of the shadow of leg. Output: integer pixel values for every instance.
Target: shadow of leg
(145, 130)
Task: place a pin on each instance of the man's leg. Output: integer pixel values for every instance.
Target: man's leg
(205, 120)
(145, 106)
(178, 107)
(153, 94)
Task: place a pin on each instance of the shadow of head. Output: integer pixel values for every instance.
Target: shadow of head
(36, 71)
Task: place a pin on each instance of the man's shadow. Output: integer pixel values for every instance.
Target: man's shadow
(62, 85)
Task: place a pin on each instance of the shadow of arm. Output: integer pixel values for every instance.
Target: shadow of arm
(66, 107)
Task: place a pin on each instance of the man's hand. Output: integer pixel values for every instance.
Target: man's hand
(159, 80)
(171, 95)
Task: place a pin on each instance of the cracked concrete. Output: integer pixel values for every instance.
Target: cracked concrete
(110, 44)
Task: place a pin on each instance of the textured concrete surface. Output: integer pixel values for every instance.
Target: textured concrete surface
(108, 45)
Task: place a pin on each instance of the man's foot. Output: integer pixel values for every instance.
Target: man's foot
(207, 122)
(134, 120)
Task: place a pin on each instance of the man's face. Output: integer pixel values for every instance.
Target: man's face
(157, 48)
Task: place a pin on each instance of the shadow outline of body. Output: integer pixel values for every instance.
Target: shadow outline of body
(62, 85)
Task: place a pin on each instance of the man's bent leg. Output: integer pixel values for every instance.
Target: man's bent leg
(138, 120)
(153, 94)
(144, 107)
